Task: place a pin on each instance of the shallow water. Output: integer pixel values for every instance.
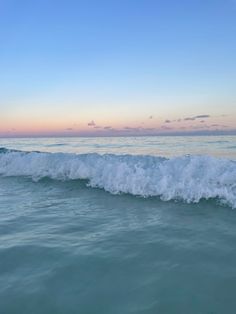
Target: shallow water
(69, 248)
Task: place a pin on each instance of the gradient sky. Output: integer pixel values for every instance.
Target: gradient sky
(117, 67)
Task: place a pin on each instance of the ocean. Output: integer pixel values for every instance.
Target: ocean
(118, 225)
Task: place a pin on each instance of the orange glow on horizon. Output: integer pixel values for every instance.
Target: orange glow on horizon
(115, 125)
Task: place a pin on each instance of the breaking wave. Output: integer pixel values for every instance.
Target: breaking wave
(186, 178)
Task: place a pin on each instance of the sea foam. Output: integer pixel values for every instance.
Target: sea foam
(186, 178)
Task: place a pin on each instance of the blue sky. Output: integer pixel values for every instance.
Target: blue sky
(117, 63)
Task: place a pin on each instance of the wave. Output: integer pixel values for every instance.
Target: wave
(186, 178)
(56, 145)
(217, 142)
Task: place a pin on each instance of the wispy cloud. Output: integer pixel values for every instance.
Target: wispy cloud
(201, 116)
(91, 123)
(150, 129)
(164, 127)
(219, 126)
(133, 129)
(189, 119)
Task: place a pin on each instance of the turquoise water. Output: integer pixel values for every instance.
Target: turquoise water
(118, 233)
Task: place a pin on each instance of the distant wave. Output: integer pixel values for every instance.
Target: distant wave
(56, 145)
(217, 142)
(186, 178)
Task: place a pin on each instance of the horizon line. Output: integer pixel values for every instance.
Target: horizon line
(193, 133)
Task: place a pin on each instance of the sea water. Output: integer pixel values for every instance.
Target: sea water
(118, 225)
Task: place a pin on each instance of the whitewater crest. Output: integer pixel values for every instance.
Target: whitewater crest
(186, 178)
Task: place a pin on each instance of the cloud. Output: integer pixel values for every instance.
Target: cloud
(164, 127)
(69, 129)
(189, 119)
(150, 117)
(133, 129)
(149, 129)
(91, 123)
(201, 116)
(199, 127)
(110, 128)
(219, 126)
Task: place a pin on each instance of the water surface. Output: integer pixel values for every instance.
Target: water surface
(68, 248)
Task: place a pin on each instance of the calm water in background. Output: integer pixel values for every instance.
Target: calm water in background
(167, 146)
(68, 248)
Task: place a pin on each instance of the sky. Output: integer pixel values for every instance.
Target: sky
(117, 67)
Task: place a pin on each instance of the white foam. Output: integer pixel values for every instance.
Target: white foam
(187, 178)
